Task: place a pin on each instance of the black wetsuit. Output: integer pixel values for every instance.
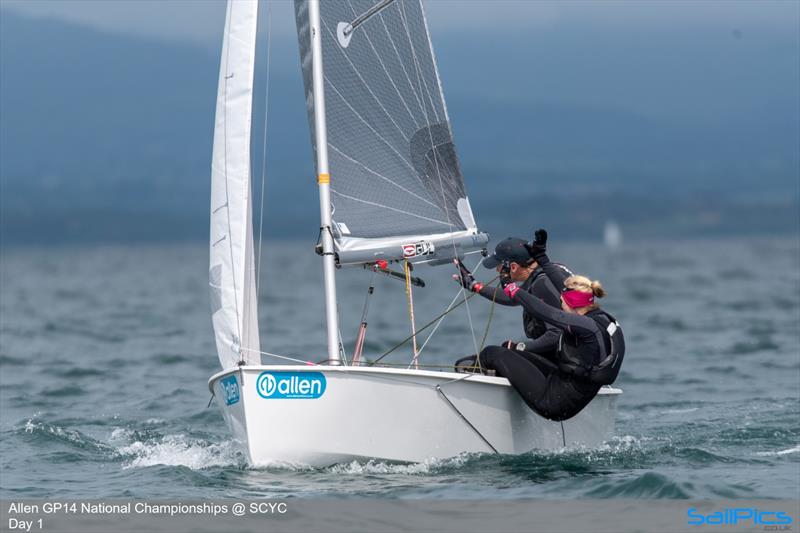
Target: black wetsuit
(551, 392)
(542, 337)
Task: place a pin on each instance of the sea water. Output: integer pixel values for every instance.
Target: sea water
(105, 351)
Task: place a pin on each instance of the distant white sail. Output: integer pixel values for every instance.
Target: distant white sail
(612, 235)
(232, 275)
(394, 171)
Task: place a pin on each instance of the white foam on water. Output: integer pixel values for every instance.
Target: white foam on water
(67, 434)
(373, 466)
(71, 436)
(624, 442)
(615, 447)
(679, 411)
(617, 444)
(796, 449)
(174, 450)
(284, 465)
(120, 434)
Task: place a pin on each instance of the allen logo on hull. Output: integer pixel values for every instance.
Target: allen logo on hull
(230, 388)
(291, 385)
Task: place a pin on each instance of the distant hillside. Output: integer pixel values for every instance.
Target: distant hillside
(92, 111)
(105, 136)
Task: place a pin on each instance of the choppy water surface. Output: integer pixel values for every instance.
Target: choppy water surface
(105, 353)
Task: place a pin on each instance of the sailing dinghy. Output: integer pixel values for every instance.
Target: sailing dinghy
(391, 193)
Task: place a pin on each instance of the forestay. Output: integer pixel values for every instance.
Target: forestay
(396, 185)
(231, 273)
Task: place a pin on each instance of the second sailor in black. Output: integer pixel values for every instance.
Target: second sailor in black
(591, 346)
(511, 254)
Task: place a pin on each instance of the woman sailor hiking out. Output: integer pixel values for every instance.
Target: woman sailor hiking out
(591, 347)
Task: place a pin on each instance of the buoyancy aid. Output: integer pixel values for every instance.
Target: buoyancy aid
(604, 370)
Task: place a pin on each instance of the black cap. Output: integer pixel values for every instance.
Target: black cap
(510, 249)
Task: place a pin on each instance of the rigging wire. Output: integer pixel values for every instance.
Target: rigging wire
(264, 149)
(285, 357)
(438, 323)
(465, 419)
(488, 325)
(426, 326)
(418, 69)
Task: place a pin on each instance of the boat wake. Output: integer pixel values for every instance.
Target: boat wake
(372, 466)
(619, 448)
(779, 453)
(39, 432)
(132, 448)
(173, 450)
(623, 467)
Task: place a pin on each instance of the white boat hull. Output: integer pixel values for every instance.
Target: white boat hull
(322, 415)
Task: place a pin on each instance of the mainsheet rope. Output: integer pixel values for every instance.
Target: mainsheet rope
(410, 296)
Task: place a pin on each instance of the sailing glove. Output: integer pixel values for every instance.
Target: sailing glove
(509, 287)
(465, 277)
(538, 247)
(514, 345)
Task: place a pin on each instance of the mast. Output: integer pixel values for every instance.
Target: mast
(323, 181)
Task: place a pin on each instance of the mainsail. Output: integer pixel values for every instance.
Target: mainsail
(231, 274)
(397, 191)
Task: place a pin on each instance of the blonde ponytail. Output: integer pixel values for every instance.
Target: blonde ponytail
(597, 289)
(584, 284)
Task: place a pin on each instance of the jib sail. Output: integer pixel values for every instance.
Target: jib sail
(231, 273)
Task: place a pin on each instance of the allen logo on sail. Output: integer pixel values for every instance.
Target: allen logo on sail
(419, 248)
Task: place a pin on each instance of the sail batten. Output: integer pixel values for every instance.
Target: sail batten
(395, 173)
(231, 270)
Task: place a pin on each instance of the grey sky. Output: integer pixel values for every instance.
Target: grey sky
(200, 21)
